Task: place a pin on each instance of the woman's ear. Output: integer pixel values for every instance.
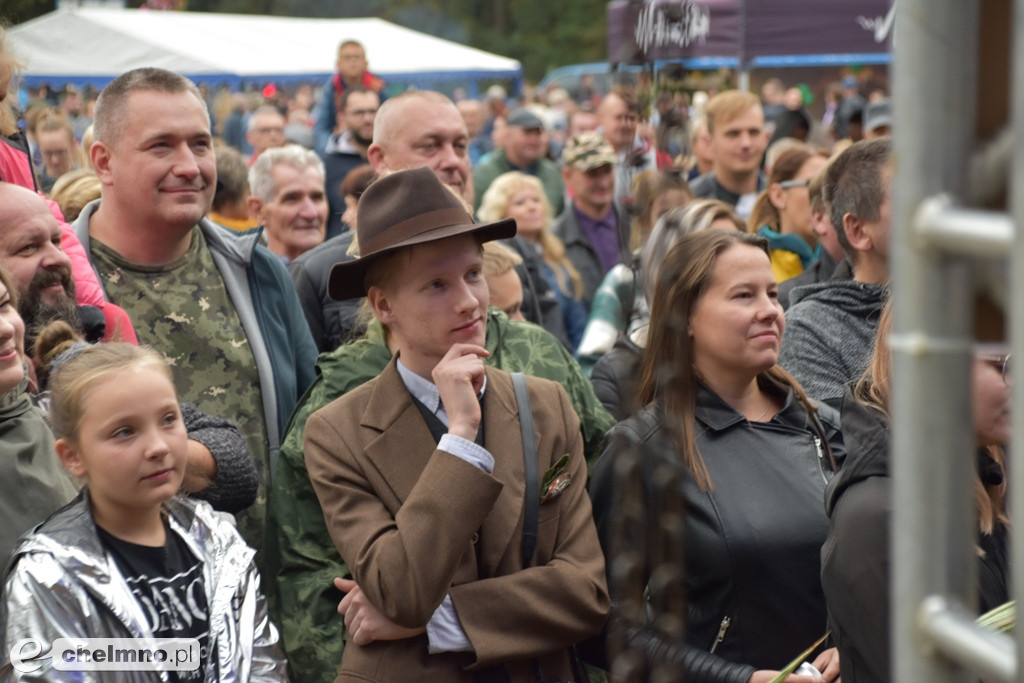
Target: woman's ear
(777, 196)
(70, 458)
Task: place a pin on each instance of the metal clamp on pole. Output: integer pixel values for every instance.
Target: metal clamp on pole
(951, 629)
(939, 224)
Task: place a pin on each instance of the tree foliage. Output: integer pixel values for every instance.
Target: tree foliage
(542, 34)
(17, 11)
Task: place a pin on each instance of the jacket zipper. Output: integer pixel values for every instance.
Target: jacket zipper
(721, 634)
(821, 458)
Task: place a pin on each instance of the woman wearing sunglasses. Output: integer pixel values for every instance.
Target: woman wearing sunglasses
(782, 213)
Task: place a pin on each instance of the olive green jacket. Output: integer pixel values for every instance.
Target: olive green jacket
(301, 560)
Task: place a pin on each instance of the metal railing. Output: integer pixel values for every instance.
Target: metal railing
(940, 257)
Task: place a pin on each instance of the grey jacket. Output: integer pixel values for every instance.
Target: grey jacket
(581, 252)
(271, 316)
(234, 486)
(61, 583)
(830, 334)
(825, 268)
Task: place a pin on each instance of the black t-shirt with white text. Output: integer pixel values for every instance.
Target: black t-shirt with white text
(168, 584)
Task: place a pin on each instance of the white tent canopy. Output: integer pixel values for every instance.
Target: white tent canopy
(94, 45)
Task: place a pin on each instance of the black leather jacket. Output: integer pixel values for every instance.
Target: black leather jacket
(752, 543)
(615, 377)
(331, 322)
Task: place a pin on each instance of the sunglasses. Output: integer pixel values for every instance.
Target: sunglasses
(786, 184)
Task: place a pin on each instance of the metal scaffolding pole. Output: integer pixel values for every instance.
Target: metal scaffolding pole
(1016, 306)
(935, 60)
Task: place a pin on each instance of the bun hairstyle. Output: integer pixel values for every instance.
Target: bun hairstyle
(53, 340)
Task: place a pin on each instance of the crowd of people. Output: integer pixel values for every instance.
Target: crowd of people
(380, 386)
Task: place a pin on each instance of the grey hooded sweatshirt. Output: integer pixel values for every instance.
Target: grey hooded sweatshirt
(830, 334)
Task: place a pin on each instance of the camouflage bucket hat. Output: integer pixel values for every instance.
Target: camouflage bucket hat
(588, 151)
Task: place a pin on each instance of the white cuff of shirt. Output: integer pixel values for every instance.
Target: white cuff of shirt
(444, 630)
(466, 450)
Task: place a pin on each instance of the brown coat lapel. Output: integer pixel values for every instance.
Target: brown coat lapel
(405, 445)
(405, 516)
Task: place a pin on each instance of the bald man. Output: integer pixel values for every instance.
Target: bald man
(31, 250)
(423, 128)
(414, 129)
(619, 117)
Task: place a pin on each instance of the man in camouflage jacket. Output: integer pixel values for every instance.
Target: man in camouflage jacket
(302, 561)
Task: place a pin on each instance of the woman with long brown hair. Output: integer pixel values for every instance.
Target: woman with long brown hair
(856, 558)
(730, 450)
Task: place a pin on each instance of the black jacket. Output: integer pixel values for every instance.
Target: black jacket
(819, 271)
(581, 252)
(331, 322)
(615, 378)
(855, 565)
(539, 303)
(752, 543)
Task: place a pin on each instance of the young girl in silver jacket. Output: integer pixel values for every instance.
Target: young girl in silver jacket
(128, 558)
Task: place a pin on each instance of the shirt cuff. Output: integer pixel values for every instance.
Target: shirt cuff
(464, 449)
(444, 630)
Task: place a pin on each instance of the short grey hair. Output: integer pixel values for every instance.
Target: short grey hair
(261, 178)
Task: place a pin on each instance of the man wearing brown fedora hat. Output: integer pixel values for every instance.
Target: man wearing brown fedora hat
(304, 561)
(421, 472)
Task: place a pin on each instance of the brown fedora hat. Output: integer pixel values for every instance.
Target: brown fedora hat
(402, 209)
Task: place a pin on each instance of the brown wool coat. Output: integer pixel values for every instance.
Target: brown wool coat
(404, 517)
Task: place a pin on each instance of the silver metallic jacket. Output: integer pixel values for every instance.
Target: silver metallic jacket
(62, 584)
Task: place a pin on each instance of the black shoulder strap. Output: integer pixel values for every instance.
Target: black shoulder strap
(531, 508)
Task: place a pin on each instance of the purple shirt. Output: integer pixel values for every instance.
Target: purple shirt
(603, 235)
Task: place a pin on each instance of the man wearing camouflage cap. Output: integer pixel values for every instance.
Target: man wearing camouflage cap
(594, 228)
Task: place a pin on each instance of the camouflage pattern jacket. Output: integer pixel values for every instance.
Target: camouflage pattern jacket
(270, 313)
(302, 562)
